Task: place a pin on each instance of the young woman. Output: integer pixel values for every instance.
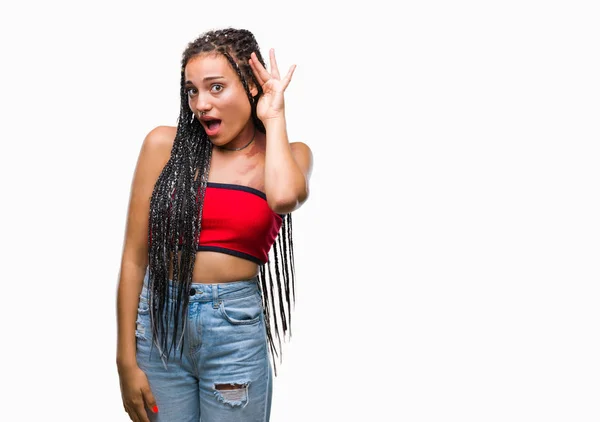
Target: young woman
(216, 192)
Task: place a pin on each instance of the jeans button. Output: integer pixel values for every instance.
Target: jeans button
(192, 292)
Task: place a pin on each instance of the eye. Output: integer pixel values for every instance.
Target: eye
(216, 87)
(189, 92)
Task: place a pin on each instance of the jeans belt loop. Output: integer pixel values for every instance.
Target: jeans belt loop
(215, 295)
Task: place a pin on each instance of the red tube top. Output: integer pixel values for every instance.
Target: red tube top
(237, 220)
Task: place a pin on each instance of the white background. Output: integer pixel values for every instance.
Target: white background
(447, 258)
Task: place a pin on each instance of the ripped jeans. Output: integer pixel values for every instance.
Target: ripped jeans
(225, 373)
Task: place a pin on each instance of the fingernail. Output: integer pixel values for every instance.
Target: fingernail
(155, 409)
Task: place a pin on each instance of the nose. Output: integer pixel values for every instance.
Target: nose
(202, 103)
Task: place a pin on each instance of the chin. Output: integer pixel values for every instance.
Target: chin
(218, 143)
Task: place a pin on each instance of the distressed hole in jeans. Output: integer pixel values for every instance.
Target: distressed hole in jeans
(232, 394)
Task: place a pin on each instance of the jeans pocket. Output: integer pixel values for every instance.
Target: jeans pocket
(143, 307)
(242, 310)
(142, 322)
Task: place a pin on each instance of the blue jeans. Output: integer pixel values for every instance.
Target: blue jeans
(225, 373)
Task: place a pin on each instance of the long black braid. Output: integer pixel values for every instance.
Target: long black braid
(176, 212)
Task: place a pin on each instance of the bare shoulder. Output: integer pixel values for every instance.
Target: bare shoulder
(159, 142)
(154, 155)
(303, 156)
(156, 150)
(300, 146)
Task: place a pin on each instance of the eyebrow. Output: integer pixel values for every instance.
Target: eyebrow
(208, 78)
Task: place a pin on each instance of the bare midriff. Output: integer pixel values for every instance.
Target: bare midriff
(217, 267)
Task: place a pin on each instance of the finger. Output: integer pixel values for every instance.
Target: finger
(256, 72)
(132, 415)
(274, 68)
(259, 70)
(150, 400)
(288, 77)
(262, 72)
(140, 413)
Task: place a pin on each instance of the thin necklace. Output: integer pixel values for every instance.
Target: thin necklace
(240, 148)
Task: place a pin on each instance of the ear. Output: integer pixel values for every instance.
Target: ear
(253, 89)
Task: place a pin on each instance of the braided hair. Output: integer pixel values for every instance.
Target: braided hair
(176, 212)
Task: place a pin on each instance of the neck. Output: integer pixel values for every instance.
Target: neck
(245, 145)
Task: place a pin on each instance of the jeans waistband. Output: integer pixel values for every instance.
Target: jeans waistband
(204, 292)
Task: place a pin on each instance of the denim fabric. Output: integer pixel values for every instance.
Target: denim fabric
(224, 343)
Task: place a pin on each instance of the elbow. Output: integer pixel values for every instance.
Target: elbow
(286, 203)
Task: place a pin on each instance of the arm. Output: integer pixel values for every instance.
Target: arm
(287, 168)
(154, 154)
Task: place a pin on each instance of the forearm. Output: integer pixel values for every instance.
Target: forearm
(285, 184)
(128, 292)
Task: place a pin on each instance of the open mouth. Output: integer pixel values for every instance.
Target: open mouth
(212, 126)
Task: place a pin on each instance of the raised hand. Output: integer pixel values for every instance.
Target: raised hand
(270, 104)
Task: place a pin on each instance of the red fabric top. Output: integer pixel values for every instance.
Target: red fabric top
(237, 220)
